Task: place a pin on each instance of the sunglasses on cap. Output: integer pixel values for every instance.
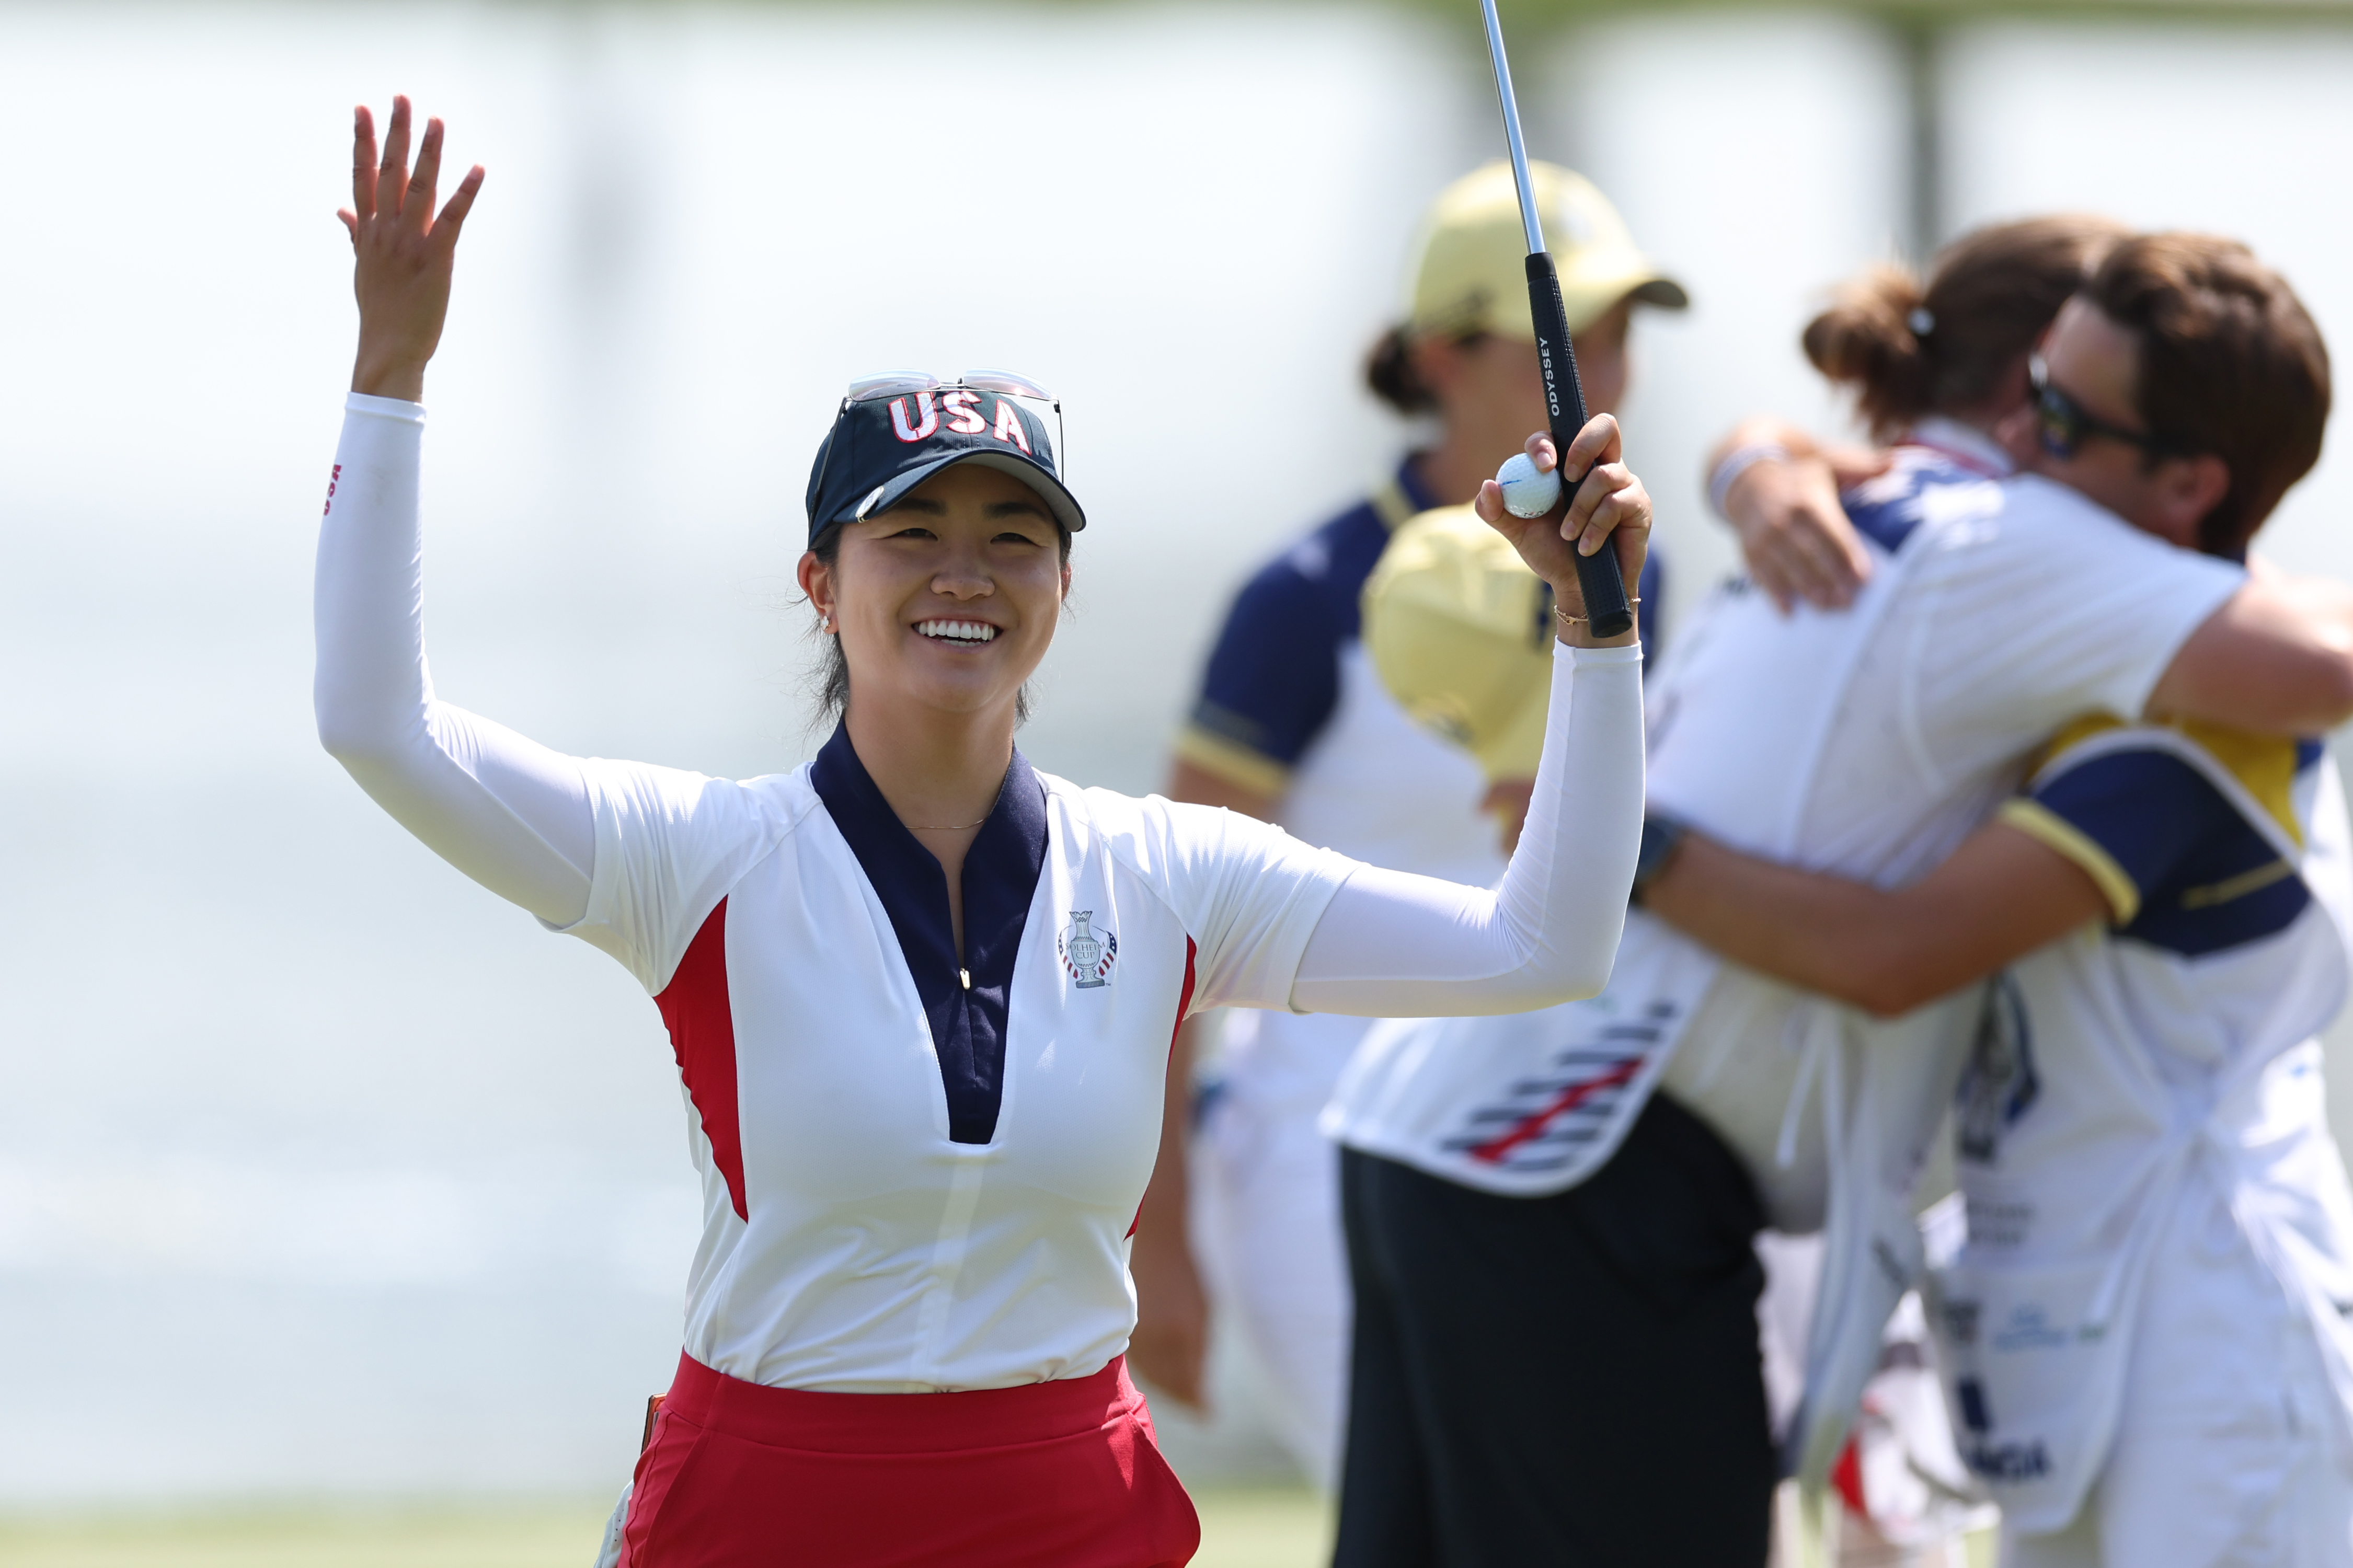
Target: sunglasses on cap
(2064, 425)
(900, 383)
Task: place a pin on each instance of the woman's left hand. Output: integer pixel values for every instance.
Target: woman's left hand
(1609, 509)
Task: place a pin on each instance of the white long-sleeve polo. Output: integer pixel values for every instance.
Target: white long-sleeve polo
(920, 1168)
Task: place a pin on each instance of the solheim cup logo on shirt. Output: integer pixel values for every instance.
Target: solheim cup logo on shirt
(1087, 955)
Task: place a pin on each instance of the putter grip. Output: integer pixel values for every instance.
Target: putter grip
(1603, 585)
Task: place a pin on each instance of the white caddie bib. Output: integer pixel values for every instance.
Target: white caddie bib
(2078, 1138)
(1562, 1086)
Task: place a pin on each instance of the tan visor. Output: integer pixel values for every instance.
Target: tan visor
(1469, 262)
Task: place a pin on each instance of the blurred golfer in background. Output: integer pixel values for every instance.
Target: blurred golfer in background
(1293, 727)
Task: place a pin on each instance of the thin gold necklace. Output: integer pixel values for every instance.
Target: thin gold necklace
(947, 826)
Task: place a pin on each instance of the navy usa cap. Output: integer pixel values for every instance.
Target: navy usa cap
(893, 433)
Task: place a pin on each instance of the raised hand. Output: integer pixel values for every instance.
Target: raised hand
(404, 253)
(1610, 508)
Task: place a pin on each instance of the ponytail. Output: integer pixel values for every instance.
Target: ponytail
(1388, 371)
(1948, 347)
(1871, 339)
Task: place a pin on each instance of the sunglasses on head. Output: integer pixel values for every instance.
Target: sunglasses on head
(2064, 425)
(904, 382)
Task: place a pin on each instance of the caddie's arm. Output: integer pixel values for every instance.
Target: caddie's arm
(2277, 659)
(1779, 488)
(2002, 894)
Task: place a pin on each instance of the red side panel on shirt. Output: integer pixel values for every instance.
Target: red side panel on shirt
(1846, 1477)
(1184, 1006)
(1185, 996)
(702, 1034)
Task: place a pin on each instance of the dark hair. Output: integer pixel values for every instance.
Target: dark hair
(2230, 364)
(1910, 351)
(1389, 371)
(833, 674)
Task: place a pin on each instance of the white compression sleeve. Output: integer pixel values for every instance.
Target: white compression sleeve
(1397, 946)
(508, 812)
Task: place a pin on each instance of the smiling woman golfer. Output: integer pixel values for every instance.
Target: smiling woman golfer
(921, 994)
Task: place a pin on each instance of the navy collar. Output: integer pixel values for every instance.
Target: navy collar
(1000, 879)
(1408, 480)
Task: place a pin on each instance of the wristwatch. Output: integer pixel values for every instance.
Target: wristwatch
(1662, 836)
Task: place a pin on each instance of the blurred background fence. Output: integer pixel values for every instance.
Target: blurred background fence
(312, 1155)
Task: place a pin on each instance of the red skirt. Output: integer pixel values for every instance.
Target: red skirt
(1050, 1475)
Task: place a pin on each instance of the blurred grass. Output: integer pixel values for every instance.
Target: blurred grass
(1268, 1527)
(1241, 1528)
(524, 1536)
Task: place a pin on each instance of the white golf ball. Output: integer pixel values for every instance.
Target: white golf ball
(1526, 491)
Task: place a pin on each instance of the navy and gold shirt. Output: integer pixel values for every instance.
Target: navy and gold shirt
(2181, 850)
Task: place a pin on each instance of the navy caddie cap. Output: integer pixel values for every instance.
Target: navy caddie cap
(895, 431)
